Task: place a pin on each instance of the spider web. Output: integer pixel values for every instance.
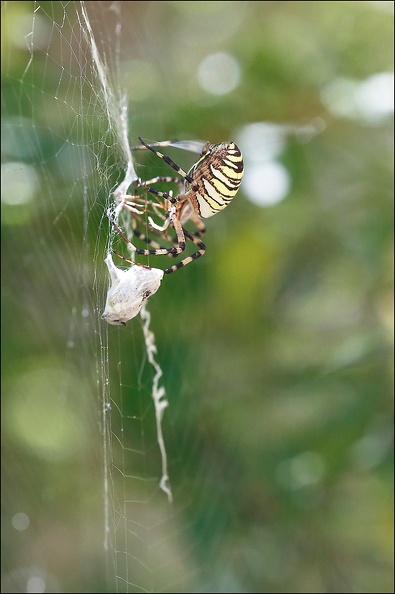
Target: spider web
(65, 145)
(229, 490)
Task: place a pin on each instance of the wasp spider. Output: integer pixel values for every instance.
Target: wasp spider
(208, 187)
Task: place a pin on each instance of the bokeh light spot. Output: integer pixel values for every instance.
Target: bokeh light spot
(219, 73)
(19, 182)
(371, 100)
(267, 183)
(39, 416)
(20, 521)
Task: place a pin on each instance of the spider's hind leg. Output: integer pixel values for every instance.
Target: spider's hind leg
(201, 227)
(202, 249)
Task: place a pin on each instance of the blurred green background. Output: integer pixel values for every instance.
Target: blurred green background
(276, 347)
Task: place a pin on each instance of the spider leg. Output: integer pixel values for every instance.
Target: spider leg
(169, 161)
(188, 259)
(182, 234)
(156, 246)
(193, 146)
(160, 194)
(156, 180)
(168, 180)
(130, 261)
(184, 262)
(171, 239)
(201, 227)
(145, 146)
(123, 257)
(145, 239)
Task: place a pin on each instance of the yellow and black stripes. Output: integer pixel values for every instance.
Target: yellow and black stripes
(217, 177)
(211, 183)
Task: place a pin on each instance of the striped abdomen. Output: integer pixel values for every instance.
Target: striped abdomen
(216, 178)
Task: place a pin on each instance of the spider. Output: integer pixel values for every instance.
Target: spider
(207, 188)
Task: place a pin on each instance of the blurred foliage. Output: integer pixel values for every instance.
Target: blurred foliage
(277, 346)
